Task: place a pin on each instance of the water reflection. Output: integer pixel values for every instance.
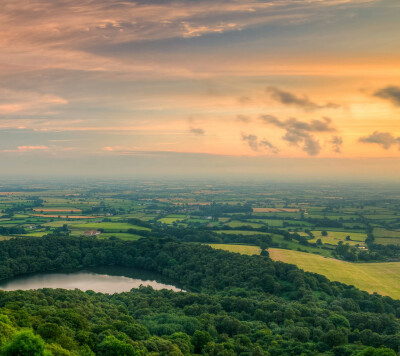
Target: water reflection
(105, 280)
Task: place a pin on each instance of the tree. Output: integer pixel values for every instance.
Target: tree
(111, 346)
(334, 338)
(371, 351)
(324, 233)
(25, 343)
(264, 253)
(200, 339)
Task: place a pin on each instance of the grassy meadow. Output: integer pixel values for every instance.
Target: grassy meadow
(382, 278)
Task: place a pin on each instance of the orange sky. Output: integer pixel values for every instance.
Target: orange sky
(275, 79)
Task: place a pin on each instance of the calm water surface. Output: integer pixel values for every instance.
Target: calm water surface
(105, 280)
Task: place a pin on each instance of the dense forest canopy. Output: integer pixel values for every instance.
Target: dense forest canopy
(234, 304)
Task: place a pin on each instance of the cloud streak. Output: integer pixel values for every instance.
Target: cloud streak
(27, 149)
(66, 34)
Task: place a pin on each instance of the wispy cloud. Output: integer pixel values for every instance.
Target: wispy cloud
(64, 34)
(22, 102)
(27, 149)
(287, 98)
(391, 93)
(384, 139)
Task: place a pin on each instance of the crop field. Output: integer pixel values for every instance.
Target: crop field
(270, 222)
(36, 233)
(121, 235)
(243, 249)
(387, 241)
(241, 232)
(235, 223)
(275, 210)
(381, 232)
(248, 214)
(382, 278)
(171, 219)
(382, 217)
(2, 238)
(108, 226)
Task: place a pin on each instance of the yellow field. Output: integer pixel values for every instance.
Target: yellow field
(243, 249)
(382, 278)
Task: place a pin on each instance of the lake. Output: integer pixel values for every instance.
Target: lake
(103, 279)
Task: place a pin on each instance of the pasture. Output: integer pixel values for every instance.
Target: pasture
(334, 237)
(108, 226)
(382, 278)
(381, 232)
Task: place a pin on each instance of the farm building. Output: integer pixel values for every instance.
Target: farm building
(92, 233)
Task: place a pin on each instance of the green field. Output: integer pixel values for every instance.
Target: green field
(235, 223)
(121, 235)
(387, 241)
(382, 278)
(107, 226)
(381, 232)
(240, 232)
(334, 237)
(170, 220)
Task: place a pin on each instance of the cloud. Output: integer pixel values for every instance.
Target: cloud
(71, 34)
(311, 146)
(391, 93)
(257, 145)
(15, 102)
(27, 149)
(266, 144)
(243, 118)
(288, 98)
(300, 132)
(252, 141)
(294, 125)
(197, 131)
(337, 143)
(385, 139)
(244, 99)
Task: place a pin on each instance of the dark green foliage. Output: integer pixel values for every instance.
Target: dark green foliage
(24, 343)
(234, 304)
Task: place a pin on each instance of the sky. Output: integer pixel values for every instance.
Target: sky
(268, 88)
